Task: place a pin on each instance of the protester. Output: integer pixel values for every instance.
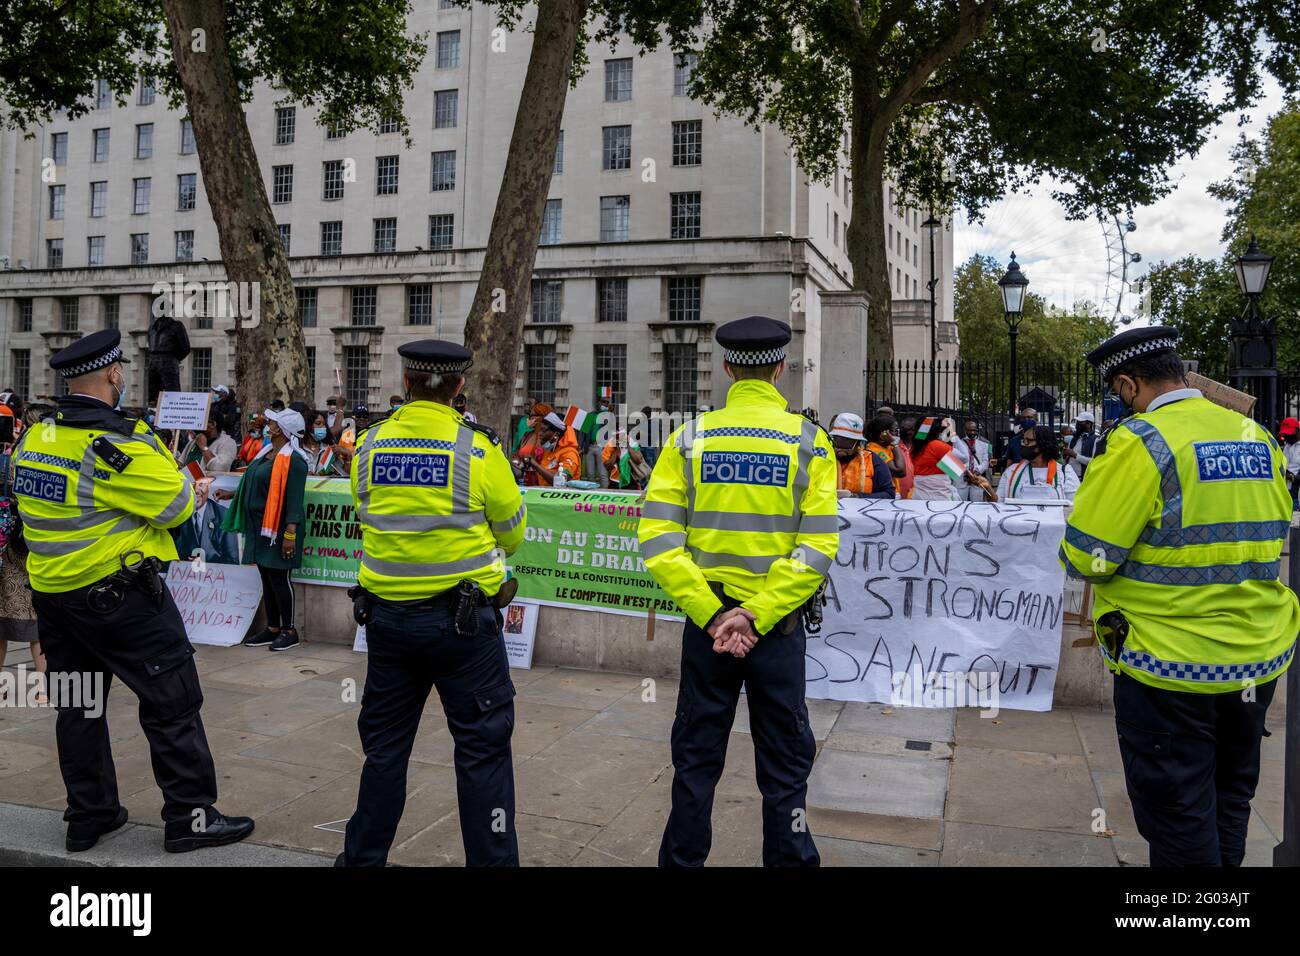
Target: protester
(17, 617)
(333, 418)
(532, 437)
(323, 459)
(1039, 475)
(253, 440)
(1079, 450)
(394, 403)
(906, 429)
(862, 473)
(226, 410)
(930, 446)
(268, 510)
(346, 446)
(1027, 418)
(557, 460)
(1290, 432)
(212, 449)
(978, 457)
(625, 465)
(525, 424)
(169, 344)
(882, 440)
(461, 404)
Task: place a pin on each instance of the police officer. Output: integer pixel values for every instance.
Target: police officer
(739, 527)
(97, 495)
(438, 506)
(1180, 530)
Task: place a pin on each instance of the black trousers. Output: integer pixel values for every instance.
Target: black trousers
(412, 651)
(277, 595)
(164, 376)
(773, 676)
(1191, 764)
(146, 649)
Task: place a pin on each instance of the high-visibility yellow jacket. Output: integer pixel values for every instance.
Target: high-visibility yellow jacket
(1179, 526)
(745, 497)
(437, 503)
(79, 514)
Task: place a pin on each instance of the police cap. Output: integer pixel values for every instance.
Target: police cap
(434, 355)
(94, 351)
(753, 340)
(1130, 344)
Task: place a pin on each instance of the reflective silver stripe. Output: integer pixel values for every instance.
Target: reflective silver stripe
(86, 480)
(177, 505)
(417, 523)
(663, 511)
(512, 522)
(1214, 533)
(1171, 491)
(1200, 673)
(819, 524)
(87, 519)
(662, 543)
(147, 437)
(813, 558)
(403, 569)
(49, 549)
(1189, 576)
(739, 521)
(1091, 544)
(686, 446)
(758, 564)
(363, 465)
(1073, 572)
(807, 444)
(460, 468)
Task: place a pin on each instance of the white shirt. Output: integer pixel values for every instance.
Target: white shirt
(1292, 453)
(1033, 484)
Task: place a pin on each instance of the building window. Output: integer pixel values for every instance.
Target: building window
(286, 124)
(684, 299)
(616, 147)
(187, 189)
(614, 218)
(552, 222)
(59, 148)
(187, 138)
(386, 170)
(419, 304)
(69, 314)
(94, 250)
(441, 230)
(547, 300)
(146, 91)
(684, 66)
(539, 372)
(356, 374)
(684, 222)
(103, 95)
(688, 142)
(139, 248)
(185, 245)
(448, 49)
(611, 300)
(444, 170)
(558, 168)
(21, 370)
(681, 377)
(446, 103)
(110, 307)
(332, 179)
(286, 236)
(334, 130)
(99, 145)
(54, 253)
(200, 370)
(140, 192)
(331, 238)
(610, 365)
(446, 5)
(311, 368)
(98, 200)
(143, 140)
(618, 80)
(306, 307)
(363, 308)
(389, 124)
(57, 194)
(282, 184)
(24, 315)
(386, 235)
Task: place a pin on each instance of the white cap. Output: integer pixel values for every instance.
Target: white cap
(290, 421)
(221, 389)
(848, 425)
(555, 421)
(1084, 417)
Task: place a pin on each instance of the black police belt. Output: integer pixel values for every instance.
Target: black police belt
(462, 600)
(106, 595)
(810, 610)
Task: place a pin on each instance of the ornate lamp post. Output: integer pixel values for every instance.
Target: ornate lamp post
(932, 226)
(1013, 286)
(1254, 337)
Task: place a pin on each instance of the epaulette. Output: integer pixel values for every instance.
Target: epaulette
(483, 429)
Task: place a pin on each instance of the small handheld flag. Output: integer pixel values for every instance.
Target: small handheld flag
(952, 466)
(923, 431)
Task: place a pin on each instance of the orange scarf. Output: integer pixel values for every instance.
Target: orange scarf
(275, 493)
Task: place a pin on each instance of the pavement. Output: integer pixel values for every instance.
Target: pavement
(891, 786)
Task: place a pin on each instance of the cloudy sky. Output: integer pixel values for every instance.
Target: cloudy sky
(1067, 261)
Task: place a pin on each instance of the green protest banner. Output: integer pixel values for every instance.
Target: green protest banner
(331, 547)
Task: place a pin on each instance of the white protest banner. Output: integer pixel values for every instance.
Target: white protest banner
(217, 601)
(183, 410)
(941, 604)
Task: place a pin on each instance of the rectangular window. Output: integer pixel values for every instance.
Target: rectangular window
(363, 304)
(389, 124)
(94, 250)
(618, 80)
(21, 369)
(688, 143)
(386, 170)
(146, 91)
(306, 307)
(311, 368)
(187, 138)
(386, 235)
(444, 170)
(332, 179)
(610, 365)
(547, 300)
(681, 377)
(54, 253)
(139, 248)
(187, 191)
(140, 192)
(57, 194)
(282, 184)
(69, 314)
(99, 144)
(684, 299)
(611, 300)
(185, 245)
(684, 65)
(446, 5)
(615, 214)
(200, 370)
(448, 49)
(334, 130)
(143, 140)
(419, 304)
(356, 374)
(684, 221)
(552, 222)
(110, 306)
(24, 315)
(539, 372)
(103, 95)
(331, 238)
(446, 104)
(442, 230)
(286, 124)
(59, 148)
(286, 236)
(558, 168)
(616, 147)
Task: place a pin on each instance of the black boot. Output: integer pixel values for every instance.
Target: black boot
(217, 830)
(83, 836)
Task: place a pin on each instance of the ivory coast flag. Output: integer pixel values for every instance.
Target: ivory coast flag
(952, 466)
(923, 430)
(582, 421)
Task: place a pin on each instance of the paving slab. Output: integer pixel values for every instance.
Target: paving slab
(822, 715)
(589, 690)
(282, 712)
(878, 783)
(1051, 732)
(972, 844)
(876, 828)
(588, 778)
(272, 672)
(332, 743)
(543, 841)
(1014, 788)
(897, 746)
(1099, 739)
(631, 716)
(836, 852)
(886, 720)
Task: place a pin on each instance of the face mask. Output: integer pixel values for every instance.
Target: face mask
(393, 408)
(550, 445)
(266, 439)
(319, 433)
(254, 433)
(1027, 453)
(1125, 406)
(121, 389)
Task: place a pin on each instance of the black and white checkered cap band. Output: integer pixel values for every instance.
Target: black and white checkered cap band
(765, 357)
(457, 366)
(1111, 362)
(105, 360)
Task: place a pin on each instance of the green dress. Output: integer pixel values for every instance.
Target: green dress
(253, 489)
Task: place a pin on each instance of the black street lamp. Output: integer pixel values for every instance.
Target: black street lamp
(932, 226)
(1254, 337)
(1013, 286)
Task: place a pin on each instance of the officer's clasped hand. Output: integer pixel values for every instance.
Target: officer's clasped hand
(732, 632)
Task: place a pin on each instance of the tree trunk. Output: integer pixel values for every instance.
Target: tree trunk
(270, 357)
(494, 329)
(868, 251)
